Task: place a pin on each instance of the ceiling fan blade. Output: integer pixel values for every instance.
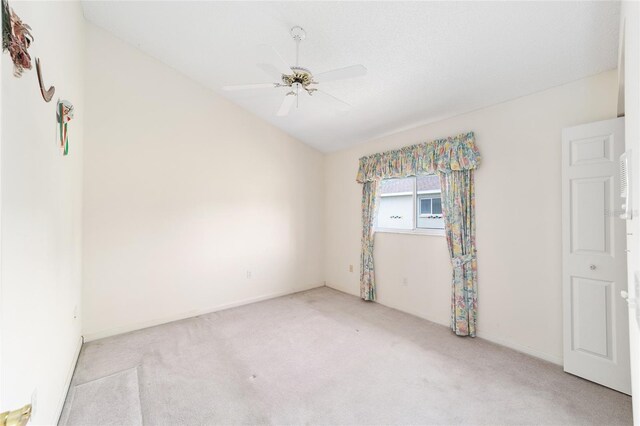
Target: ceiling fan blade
(339, 103)
(269, 55)
(271, 71)
(287, 103)
(341, 73)
(249, 86)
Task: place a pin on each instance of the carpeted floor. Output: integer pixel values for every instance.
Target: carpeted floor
(323, 357)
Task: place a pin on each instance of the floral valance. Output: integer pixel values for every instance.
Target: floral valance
(441, 155)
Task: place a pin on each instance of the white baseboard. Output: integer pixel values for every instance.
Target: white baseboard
(493, 339)
(342, 290)
(67, 382)
(415, 314)
(138, 326)
(88, 337)
(522, 348)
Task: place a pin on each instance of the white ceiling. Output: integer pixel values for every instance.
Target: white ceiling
(425, 60)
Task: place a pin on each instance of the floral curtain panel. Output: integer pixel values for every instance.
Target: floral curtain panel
(458, 205)
(454, 160)
(369, 209)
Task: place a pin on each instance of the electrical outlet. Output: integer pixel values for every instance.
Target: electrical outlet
(248, 275)
(405, 281)
(350, 268)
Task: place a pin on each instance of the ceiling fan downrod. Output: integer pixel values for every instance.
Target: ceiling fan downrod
(298, 33)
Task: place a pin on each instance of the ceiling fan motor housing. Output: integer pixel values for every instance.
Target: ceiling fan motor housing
(301, 76)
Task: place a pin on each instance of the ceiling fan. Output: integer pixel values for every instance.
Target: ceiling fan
(298, 78)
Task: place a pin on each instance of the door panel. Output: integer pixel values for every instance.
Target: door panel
(590, 232)
(591, 150)
(596, 340)
(591, 319)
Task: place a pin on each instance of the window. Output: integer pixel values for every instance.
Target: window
(430, 205)
(411, 205)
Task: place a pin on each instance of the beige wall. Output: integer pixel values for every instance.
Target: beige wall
(518, 197)
(184, 194)
(41, 215)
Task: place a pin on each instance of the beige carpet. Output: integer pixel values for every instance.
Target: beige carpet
(323, 357)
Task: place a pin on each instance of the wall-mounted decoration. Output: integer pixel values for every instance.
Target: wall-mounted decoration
(64, 115)
(16, 39)
(48, 93)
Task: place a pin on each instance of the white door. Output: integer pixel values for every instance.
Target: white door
(596, 336)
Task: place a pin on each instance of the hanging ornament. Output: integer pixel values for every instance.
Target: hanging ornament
(64, 115)
(16, 39)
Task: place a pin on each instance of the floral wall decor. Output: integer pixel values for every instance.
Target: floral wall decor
(64, 115)
(16, 39)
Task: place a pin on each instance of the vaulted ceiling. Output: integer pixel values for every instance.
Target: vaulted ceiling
(425, 60)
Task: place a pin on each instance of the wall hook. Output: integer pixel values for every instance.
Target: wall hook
(46, 94)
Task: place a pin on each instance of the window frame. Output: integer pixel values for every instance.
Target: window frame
(415, 231)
